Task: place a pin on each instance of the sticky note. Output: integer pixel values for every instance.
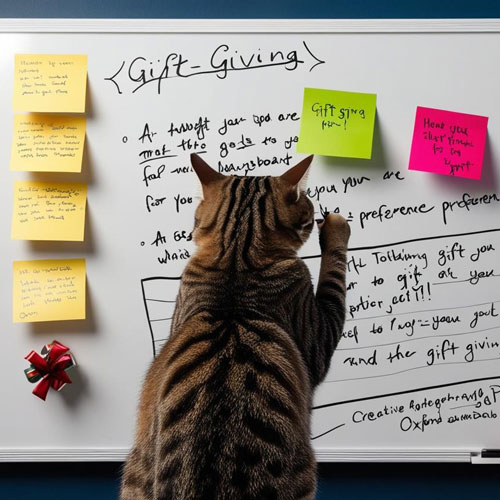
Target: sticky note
(50, 83)
(47, 143)
(337, 123)
(448, 143)
(48, 290)
(49, 210)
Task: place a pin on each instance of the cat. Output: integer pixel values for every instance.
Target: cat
(225, 407)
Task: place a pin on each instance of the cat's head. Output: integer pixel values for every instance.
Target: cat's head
(260, 210)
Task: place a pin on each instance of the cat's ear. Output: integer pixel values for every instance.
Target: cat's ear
(297, 176)
(206, 174)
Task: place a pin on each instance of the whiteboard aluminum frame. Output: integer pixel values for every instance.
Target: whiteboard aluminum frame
(119, 455)
(296, 26)
(249, 25)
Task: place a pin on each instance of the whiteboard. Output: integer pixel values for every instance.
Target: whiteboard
(416, 375)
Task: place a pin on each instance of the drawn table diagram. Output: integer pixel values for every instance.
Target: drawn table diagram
(401, 320)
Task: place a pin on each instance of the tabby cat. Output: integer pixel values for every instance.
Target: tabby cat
(225, 407)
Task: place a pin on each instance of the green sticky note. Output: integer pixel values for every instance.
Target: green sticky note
(337, 123)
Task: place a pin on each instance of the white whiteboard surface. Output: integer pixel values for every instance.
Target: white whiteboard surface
(384, 411)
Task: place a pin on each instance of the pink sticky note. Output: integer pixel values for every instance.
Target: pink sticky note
(448, 143)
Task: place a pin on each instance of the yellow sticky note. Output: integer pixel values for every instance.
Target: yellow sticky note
(337, 123)
(47, 143)
(48, 290)
(50, 83)
(49, 211)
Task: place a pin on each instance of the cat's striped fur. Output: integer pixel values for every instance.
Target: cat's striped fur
(225, 408)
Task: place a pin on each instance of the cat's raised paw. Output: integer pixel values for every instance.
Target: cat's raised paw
(334, 231)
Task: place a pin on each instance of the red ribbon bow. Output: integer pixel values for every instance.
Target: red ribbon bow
(51, 368)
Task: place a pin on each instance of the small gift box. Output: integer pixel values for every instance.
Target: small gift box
(49, 369)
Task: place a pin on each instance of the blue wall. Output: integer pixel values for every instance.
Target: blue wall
(337, 481)
(251, 8)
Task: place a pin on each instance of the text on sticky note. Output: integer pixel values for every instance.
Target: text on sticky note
(448, 143)
(49, 211)
(47, 143)
(49, 290)
(337, 123)
(50, 83)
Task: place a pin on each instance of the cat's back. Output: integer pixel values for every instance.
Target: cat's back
(233, 407)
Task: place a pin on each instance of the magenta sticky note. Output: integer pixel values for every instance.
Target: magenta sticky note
(448, 143)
